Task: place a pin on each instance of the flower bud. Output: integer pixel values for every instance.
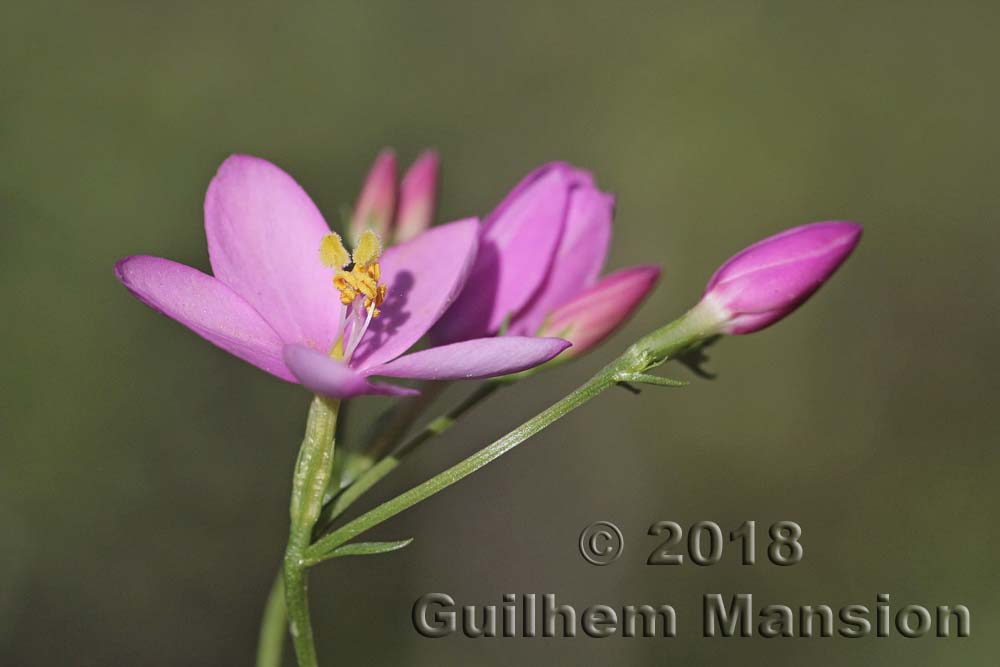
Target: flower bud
(597, 311)
(377, 202)
(417, 197)
(768, 280)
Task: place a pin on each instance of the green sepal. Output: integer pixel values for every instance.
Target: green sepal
(646, 378)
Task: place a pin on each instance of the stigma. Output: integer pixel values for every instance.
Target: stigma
(358, 274)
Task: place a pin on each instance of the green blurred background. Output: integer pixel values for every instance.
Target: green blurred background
(145, 474)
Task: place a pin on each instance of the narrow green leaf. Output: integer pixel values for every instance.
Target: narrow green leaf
(354, 549)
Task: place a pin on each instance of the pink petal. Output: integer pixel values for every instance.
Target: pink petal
(576, 177)
(376, 204)
(478, 358)
(264, 235)
(770, 279)
(423, 277)
(206, 306)
(329, 377)
(597, 311)
(516, 250)
(578, 260)
(417, 197)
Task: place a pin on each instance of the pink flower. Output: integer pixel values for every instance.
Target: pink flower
(768, 280)
(540, 257)
(376, 206)
(275, 302)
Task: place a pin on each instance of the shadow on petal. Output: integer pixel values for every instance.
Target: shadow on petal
(395, 312)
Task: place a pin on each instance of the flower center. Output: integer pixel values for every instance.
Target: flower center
(357, 279)
(359, 273)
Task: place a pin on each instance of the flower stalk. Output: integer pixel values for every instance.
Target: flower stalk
(312, 475)
(372, 475)
(631, 367)
(273, 626)
(310, 479)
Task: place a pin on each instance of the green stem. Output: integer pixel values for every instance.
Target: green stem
(390, 427)
(650, 351)
(402, 419)
(374, 474)
(337, 474)
(272, 632)
(657, 347)
(297, 604)
(441, 424)
(603, 380)
(313, 472)
(312, 475)
(272, 626)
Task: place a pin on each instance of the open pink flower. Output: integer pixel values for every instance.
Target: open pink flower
(272, 302)
(540, 257)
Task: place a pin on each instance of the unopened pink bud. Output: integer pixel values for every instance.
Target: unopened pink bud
(377, 202)
(417, 197)
(770, 279)
(596, 312)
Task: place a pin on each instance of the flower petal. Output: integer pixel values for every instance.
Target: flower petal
(417, 196)
(423, 277)
(576, 177)
(478, 358)
(329, 377)
(207, 306)
(264, 235)
(578, 260)
(376, 203)
(770, 279)
(518, 243)
(596, 312)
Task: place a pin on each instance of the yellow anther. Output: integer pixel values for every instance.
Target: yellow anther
(332, 251)
(363, 277)
(355, 280)
(368, 250)
(376, 299)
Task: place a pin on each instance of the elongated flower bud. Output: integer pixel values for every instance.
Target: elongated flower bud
(599, 310)
(377, 202)
(770, 279)
(417, 197)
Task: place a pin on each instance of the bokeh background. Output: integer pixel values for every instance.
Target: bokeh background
(145, 474)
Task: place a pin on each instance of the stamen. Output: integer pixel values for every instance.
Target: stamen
(372, 312)
(368, 249)
(357, 278)
(332, 251)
